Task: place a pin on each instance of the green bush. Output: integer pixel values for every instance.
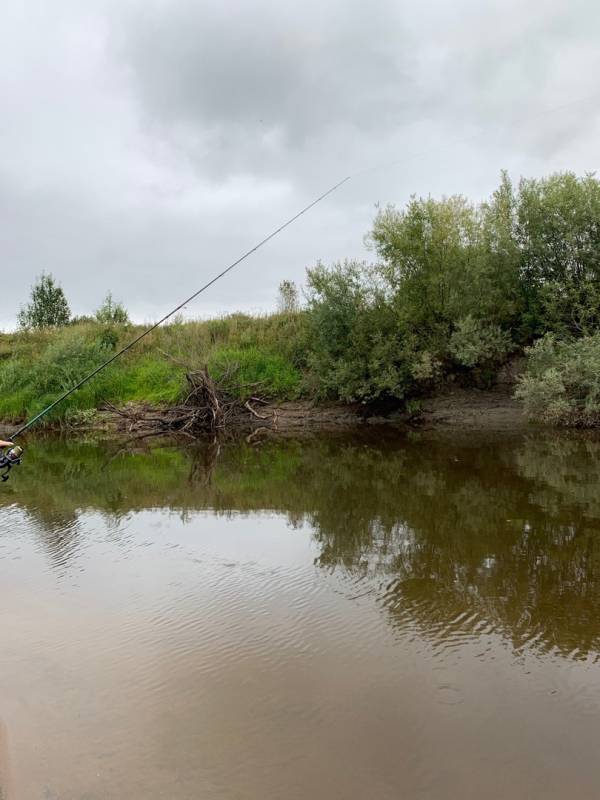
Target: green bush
(561, 384)
(355, 343)
(426, 368)
(476, 343)
(442, 260)
(557, 232)
(41, 370)
(65, 362)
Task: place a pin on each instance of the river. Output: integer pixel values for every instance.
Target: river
(366, 617)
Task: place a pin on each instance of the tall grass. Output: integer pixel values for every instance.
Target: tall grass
(36, 367)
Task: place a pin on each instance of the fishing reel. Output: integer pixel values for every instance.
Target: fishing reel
(9, 459)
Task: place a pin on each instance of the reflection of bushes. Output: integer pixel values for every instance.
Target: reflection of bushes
(507, 531)
(563, 473)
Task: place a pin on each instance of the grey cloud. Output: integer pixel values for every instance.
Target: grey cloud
(295, 67)
(520, 69)
(269, 88)
(298, 88)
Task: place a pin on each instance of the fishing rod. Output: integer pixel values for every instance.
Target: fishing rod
(13, 457)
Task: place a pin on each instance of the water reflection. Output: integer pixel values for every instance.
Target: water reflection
(453, 538)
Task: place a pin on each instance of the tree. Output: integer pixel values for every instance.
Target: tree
(288, 297)
(112, 312)
(430, 255)
(48, 306)
(558, 232)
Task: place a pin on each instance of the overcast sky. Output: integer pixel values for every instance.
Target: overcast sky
(146, 144)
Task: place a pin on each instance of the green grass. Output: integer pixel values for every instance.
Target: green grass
(271, 374)
(37, 366)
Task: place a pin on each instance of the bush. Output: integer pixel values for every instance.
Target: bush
(287, 301)
(444, 259)
(475, 343)
(108, 338)
(66, 362)
(355, 343)
(426, 368)
(561, 384)
(44, 366)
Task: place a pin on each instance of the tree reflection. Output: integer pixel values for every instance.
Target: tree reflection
(473, 537)
(457, 537)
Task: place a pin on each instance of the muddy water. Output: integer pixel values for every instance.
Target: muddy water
(334, 618)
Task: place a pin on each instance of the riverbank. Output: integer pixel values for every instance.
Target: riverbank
(471, 409)
(453, 409)
(265, 362)
(262, 363)
(456, 291)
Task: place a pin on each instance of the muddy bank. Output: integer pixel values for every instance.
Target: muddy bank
(473, 410)
(453, 409)
(470, 409)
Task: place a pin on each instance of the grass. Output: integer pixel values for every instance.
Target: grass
(37, 366)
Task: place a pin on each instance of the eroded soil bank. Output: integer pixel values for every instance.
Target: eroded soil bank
(455, 409)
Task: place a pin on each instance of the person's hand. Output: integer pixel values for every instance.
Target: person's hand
(6, 444)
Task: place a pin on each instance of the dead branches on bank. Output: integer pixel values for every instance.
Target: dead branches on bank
(210, 406)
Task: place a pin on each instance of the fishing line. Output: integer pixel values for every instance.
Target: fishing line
(145, 333)
(471, 137)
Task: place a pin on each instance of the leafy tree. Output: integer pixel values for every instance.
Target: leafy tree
(558, 235)
(48, 306)
(112, 312)
(288, 297)
(500, 297)
(430, 255)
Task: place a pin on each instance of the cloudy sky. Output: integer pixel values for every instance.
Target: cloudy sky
(144, 144)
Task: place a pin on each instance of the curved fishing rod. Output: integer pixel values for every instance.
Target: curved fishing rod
(145, 333)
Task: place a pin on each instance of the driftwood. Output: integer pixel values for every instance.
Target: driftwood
(210, 406)
(255, 413)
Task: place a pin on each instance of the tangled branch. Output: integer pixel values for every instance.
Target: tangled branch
(209, 406)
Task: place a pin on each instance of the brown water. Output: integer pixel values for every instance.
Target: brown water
(338, 618)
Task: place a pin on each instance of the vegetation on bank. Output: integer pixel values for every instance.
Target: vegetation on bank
(36, 365)
(562, 383)
(456, 288)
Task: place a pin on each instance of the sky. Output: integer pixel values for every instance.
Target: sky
(146, 144)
